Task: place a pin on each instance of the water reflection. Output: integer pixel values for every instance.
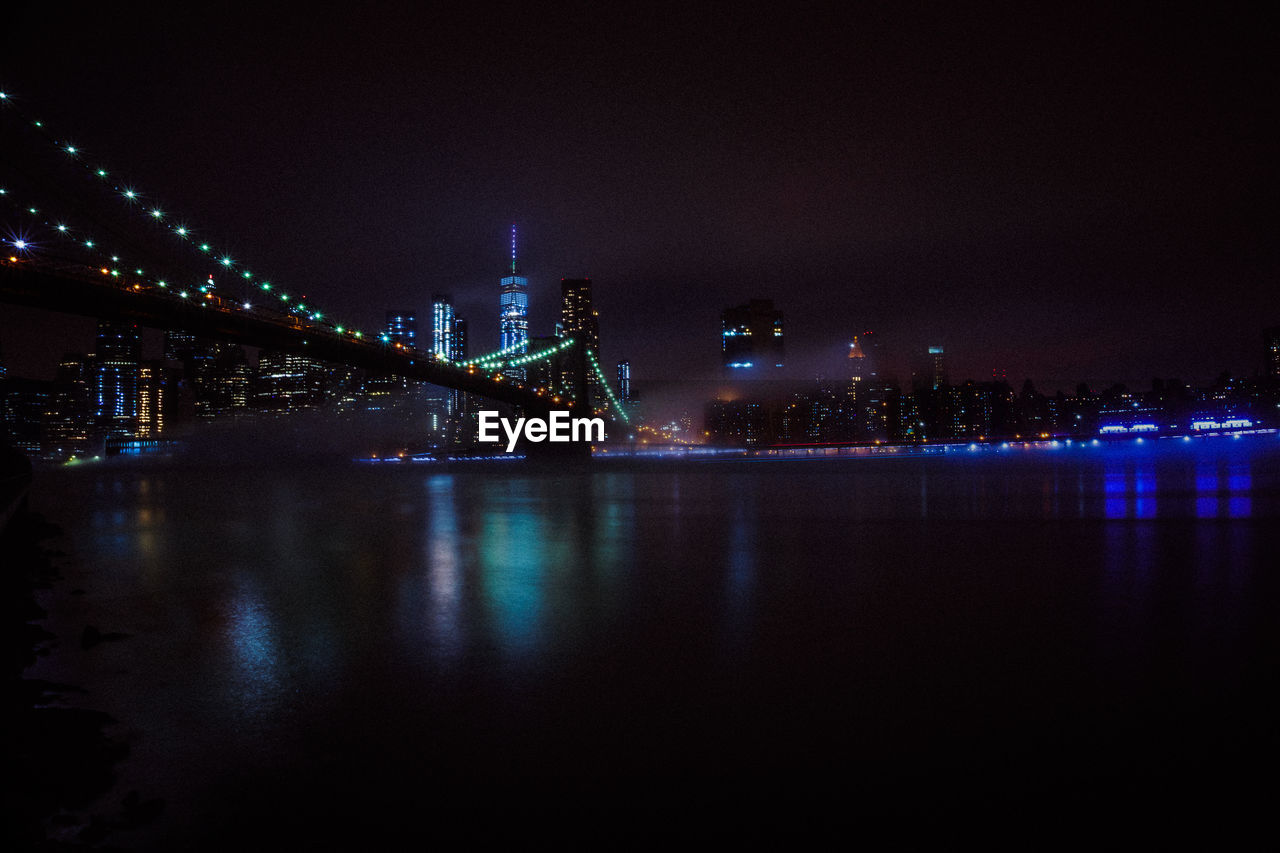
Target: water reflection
(1130, 489)
(256, 684)
(1144, 490)
(1224, 489)
(608, 522)
(259, 598)
(1116, 488)
(1239, 487)
(444, 567)
(742, 552)
(513, 557)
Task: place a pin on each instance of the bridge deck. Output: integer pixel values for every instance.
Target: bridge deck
(26, 283)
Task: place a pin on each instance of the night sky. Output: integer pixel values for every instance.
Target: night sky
(1075, 194)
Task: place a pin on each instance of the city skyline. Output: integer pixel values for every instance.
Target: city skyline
(1062, 197)
(591, 421)
(133, 404)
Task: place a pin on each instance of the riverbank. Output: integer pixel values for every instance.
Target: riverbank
(61, 754)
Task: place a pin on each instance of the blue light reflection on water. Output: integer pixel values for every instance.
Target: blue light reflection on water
(514, 566)
(444, 558)
(255, 656)
(1223, 488)
(1117, 490)
(1208, 479)
(1130, 485)
(858, 578)
(1239, 485)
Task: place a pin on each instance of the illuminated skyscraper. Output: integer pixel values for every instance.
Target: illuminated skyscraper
(1272, 337)
(114, 382)
(513, 311)
(857, 361)
(71, 428)
(187, 348)
(577, 316)
(865, 405)
(624, 381)
(937, 368)
(580, 321)
(458, 348)
(151, 383)
(751, 338)
(288, 382)
(402, 328)
(444, 332)
(222, 380)
(462, 403)
(442, 326)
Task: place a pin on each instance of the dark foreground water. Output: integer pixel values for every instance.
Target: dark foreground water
(1048, 642)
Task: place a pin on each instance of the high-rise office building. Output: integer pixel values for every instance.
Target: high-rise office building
(151, 385)
(71, 426)
(865, 414)
(513, 312)
(442, 326)
(857, 361)
(578, 317)
(624, 381)
(464, 405)
(579, 320)
(402, 328)
(1272, 337)
(288, 382)
(185, 347)
(751, 338)
(25, 405)
(937, 368)
(458, 347)
(222, 381)
(114, 378)
(929, 370)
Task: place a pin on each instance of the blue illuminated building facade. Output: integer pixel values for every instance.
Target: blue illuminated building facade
(458, 346)
(624, 381)
(442, 326)
(751, 340)
(114, 378)
(448, 342)
(402, 328)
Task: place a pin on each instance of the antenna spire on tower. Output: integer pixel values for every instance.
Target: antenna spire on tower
(513, 248)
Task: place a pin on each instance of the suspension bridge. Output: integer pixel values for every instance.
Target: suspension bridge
(95, 268)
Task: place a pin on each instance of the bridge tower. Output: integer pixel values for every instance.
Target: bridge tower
(581, 384)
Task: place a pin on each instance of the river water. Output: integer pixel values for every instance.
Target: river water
(1050, 638)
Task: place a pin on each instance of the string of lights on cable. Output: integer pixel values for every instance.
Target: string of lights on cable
(136, 200)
